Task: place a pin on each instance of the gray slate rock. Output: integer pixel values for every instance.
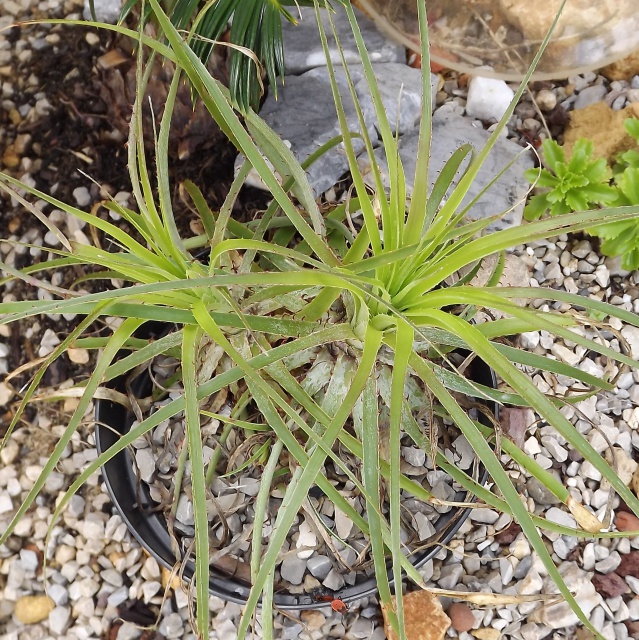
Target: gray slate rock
(303, 48)
(304, 113)
(319, 566)
(590, 95)
(105, 10)
(450, 131)
(401, 89)
(540, 493)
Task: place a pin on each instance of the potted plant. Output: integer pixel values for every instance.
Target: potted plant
(364, 287)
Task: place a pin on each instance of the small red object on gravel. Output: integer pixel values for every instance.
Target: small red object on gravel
(336, 603)
(625, 521)
(609, 585)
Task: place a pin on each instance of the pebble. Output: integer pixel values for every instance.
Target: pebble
(625, 521)
(484, 516)
(461, 617)
(319, 566)
(609, 564)
(488, 98)
(590, 95)
(172, 626)
(105, 10)
(6, 504)
(362, 628)
(293, 568)
(566, 355)
(9, 453)
(334, 580)
(554, 448)
(82, 196)
(146, 464)
(546, 100)
(184, 512)
(450, 576)
(33, 609)
(58, 620)
(540, 493)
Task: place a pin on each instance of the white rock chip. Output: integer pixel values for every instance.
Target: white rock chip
(559, 616)
(58, 620)
(145, 461)
(488, 98)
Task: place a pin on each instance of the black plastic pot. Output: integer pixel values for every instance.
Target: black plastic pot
(150, 528)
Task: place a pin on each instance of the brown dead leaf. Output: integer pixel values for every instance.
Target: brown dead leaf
(424, 617)
(587, 520)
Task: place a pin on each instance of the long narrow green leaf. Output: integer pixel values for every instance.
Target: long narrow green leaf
(215, 98)
(162, 171)
(403, 351)
(483, 450)
(370, 476)
(537, 400)
(296, 494)
(198, 485)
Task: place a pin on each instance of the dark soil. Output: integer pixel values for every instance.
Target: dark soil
(85, 130)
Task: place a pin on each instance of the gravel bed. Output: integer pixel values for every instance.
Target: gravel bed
(102, 585)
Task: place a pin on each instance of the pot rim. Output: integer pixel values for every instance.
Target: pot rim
(149, 527)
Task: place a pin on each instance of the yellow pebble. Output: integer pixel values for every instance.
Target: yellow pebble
(166, 576)
(32, 609)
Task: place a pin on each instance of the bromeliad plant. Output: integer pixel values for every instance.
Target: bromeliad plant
(371, 276)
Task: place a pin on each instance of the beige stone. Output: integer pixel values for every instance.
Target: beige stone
(487, 633)
(424, 617)
(313, 619)
(10, 158)
(32, 609)
(79, 356)
(599, 123)
(623, 69)
(577, 18)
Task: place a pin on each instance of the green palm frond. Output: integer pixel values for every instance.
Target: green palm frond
(256, 27)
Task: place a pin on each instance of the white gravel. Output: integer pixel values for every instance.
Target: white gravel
(96, 571)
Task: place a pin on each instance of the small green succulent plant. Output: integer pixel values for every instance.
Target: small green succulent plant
(570, 185)
(583, 182)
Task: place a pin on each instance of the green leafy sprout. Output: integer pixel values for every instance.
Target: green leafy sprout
(585, 181)
(274, 291)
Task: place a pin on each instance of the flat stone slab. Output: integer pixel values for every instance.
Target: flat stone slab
(450, 131)
(401, 89)
(304, 113)
(303, 48)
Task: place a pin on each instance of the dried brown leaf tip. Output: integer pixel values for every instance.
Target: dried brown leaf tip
(424, 617)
